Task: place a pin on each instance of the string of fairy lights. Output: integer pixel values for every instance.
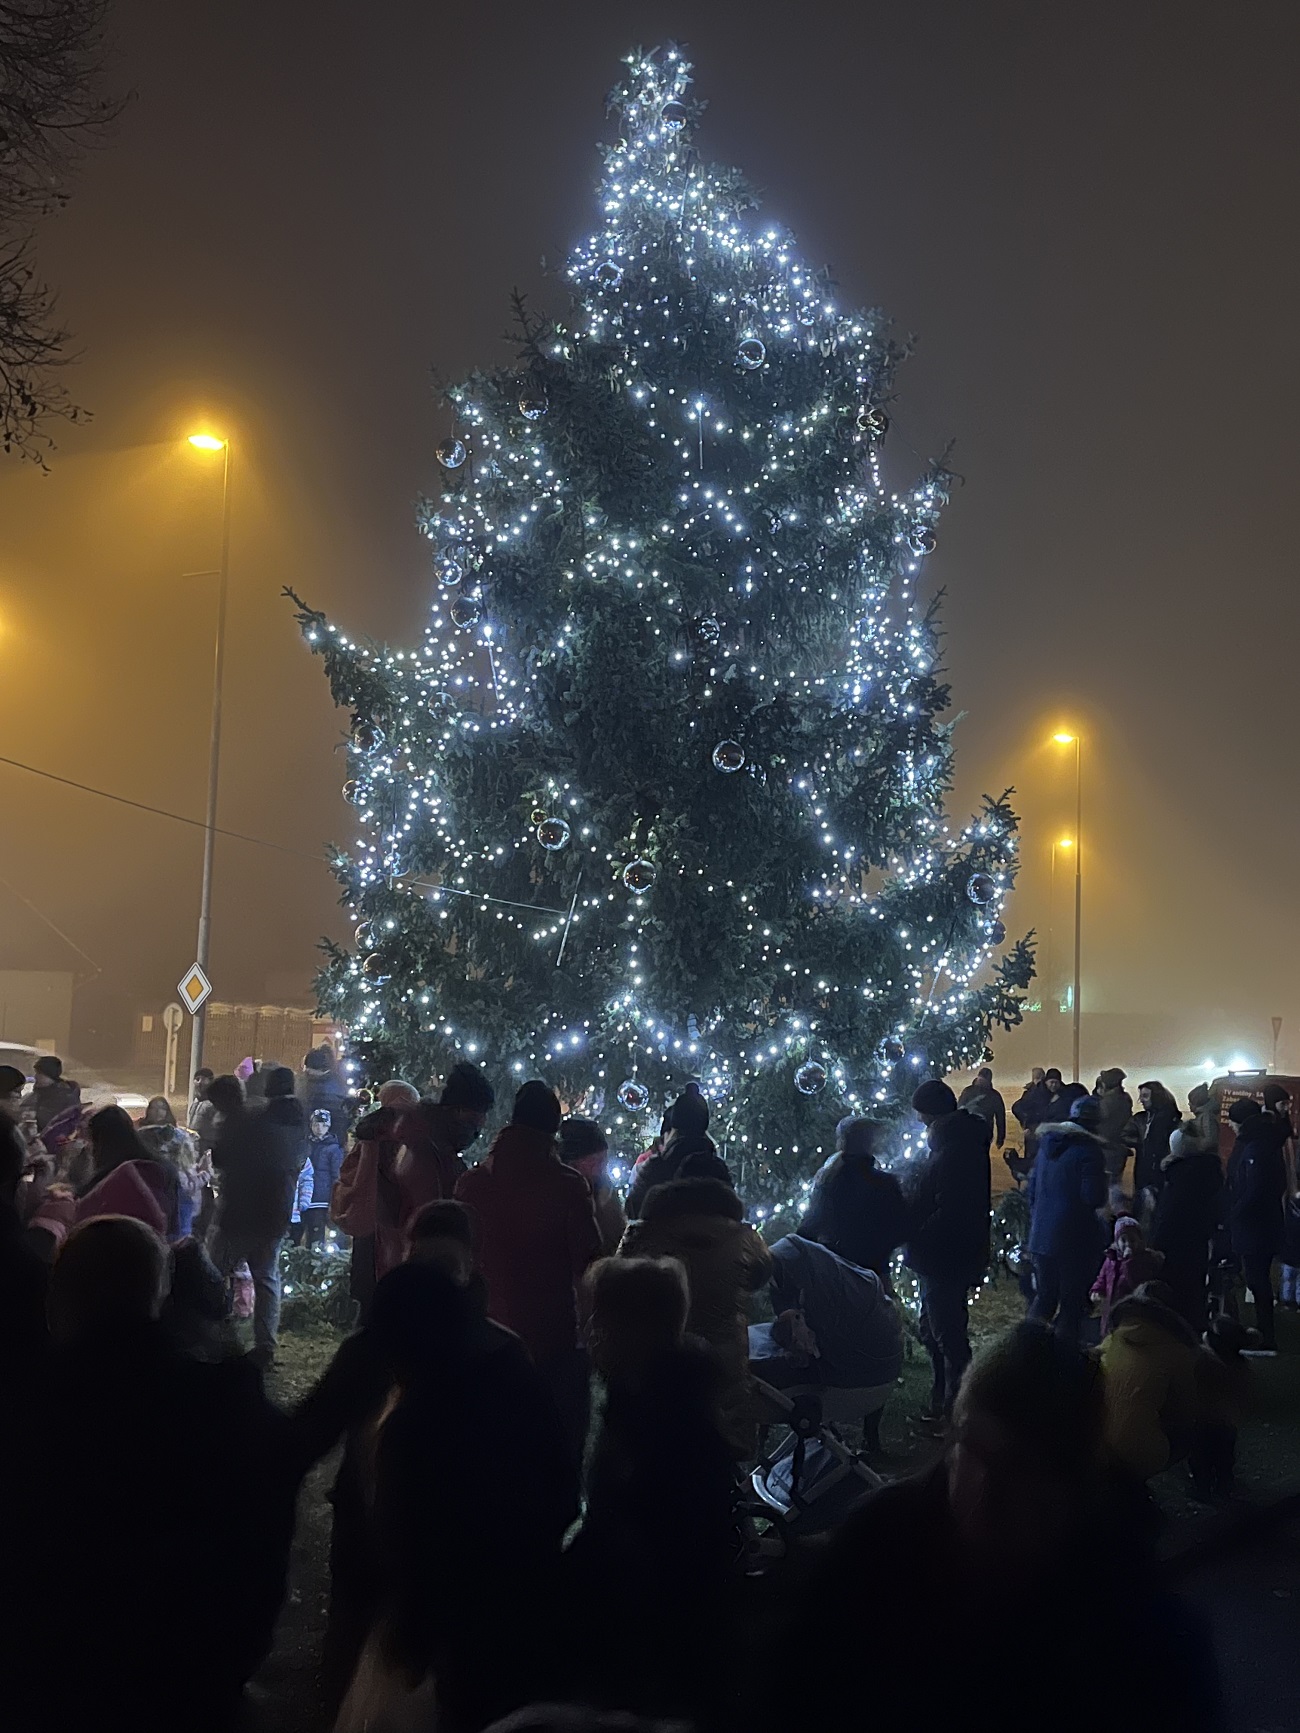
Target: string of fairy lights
(766, 592)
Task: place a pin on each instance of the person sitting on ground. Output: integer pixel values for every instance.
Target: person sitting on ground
(701, 1223)
(836, 1325)
(155, 1566)
(1067, 1189)
(408, 1154)
(536, 1229)
(856, 1209)
(129, 1178)
(1255, 1187)
(948, 1241)
(470, 1471)
(688, 1151)
(1020, 1497)
(584, 1146)
(1149, 1360)
(1127, 1263)
(659, 1519)
(982, 1099)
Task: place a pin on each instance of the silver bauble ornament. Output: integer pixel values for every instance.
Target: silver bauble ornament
(449, 570)
(891, 1051)
(672, 116)
(466, 609)
(639, 875)
(451, 453)
(981, 888)
(810, 1077)
(354, 793)
(709, 630)
(751, 353)
(873, 421)
(609, 275)
(998, 933)
(634, 1096)
(367, 737)
(922, 540)
(728, 757)
(533, 405)
(553, 833)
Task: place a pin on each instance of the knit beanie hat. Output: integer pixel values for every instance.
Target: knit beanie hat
(538, 1106)
(690, 1112)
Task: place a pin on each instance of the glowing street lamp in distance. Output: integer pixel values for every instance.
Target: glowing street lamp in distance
(207, 442)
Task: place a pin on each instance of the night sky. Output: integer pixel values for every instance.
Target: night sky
(1085, 214)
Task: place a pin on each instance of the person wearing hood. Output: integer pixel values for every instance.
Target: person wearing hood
(981, 1098)
(701, 1222)
(1032, 1108)
(258, 1157)
(406, 1153)
(688, 1151)
(1149, 1368)
(1186, 1216)
(1067, 1188)
(857, 1210)
(1256, 1185)
(55, 1103)
(1153, 1126)
(1116, 1106)
(948, 1244)
(537, 1233)
(584, 1147)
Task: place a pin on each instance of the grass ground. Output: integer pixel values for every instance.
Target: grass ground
(286, 1693)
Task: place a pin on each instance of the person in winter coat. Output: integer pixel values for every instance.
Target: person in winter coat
(1153, 1126)
(178, 1522)
(363, 1197)
(301, 1200)
(161, 1135)
(537, 1233)
(583, 1146)
(1290, 1272)
(24, 1277)
(1032, 1108)
(1116, 1106)
(406, 1156)
(688, 1151)
(1020, 1498)
(857, 1210)
(321, 1089)
(258, 1157)
(980, 1097)
(1126, 1266)
(1059, 1096)
(1256, 1185)
(658, 1518)
(856, 1332)
(1149, 1368)
(1186, 1215)
(701, 1222)
(128, 1177)
(54, 1096)
(948, 1245)
(201, 1115)
(1067, 1188)
(324, 1159)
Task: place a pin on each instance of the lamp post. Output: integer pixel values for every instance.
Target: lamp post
(1066, 739)
(1060, 843)
(198, 1025)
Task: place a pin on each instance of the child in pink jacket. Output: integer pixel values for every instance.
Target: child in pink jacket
(1128, 1262)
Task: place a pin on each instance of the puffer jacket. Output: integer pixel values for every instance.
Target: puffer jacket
(688, 1156)
(1149, 1369)
(1067, 1186)
(725, 1262)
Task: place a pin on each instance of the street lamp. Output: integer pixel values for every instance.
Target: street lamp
(198, 1027)
(1059, 843)
(1064, 738)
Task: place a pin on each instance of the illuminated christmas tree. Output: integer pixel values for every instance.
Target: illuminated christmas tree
(660, 795)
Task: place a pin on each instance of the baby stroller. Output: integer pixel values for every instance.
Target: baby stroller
(828, 1365)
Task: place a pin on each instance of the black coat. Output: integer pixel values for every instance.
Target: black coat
(258, 1157)
(1256, 1186)
(949, 1201)
(1188, 1205)
(1154, 1127)
(856, 1211)
(1034, 1106)
(687, 1157)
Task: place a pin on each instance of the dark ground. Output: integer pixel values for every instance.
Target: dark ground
(1250, 1593)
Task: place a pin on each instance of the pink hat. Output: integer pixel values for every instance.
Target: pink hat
(244, 1070)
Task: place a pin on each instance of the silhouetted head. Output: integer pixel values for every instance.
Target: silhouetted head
(638, 1311)
(226, 1093)
(159, 1111)
(113, 1139)
(46, 1071)
(538, 1107)
(857, 1138)
(109, 1275)
(442, 1237)
(933, 1100)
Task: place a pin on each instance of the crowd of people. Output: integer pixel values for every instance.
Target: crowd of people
(545, 1416)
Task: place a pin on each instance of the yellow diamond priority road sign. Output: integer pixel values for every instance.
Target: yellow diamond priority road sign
(194, 989)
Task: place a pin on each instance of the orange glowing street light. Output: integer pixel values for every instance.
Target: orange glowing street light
(1063, 737)
(198, 1026)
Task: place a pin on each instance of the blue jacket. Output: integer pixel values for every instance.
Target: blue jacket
(1067, 1186)
(326, 1157)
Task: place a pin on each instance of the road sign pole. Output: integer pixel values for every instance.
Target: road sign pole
(173, 1017)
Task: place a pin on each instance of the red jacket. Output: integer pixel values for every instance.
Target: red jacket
(396, 1166)
(537, 1234)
